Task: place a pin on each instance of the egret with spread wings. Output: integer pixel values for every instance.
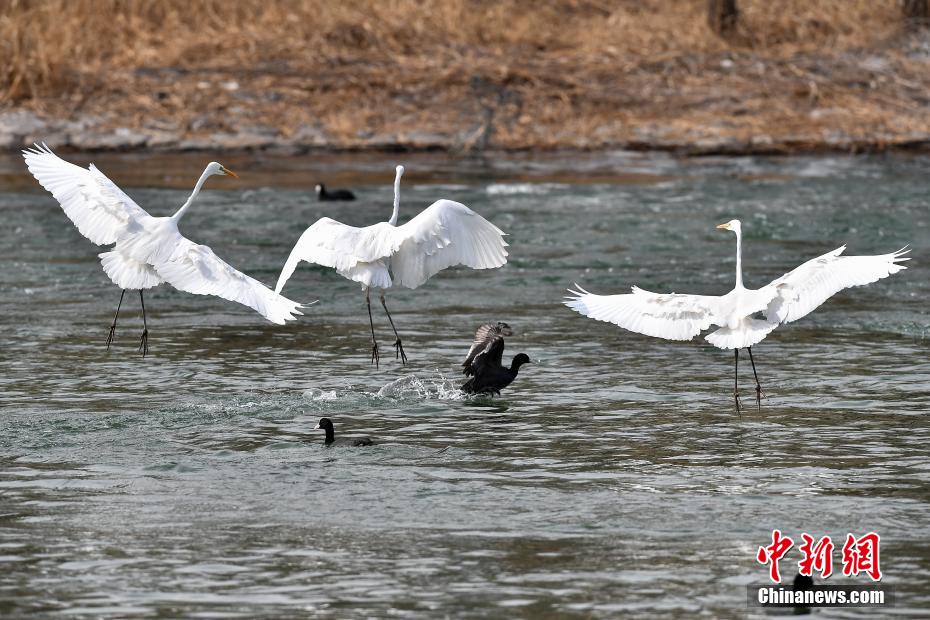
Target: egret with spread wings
(789, 298)
(483, 362)
(148, 250)
(444, 234)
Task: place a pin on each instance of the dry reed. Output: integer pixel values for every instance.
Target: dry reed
(538, 72)
(51, 46)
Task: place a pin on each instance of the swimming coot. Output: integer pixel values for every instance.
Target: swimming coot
(802, 583)
(327, 425)
(336, 194)
(483, 363)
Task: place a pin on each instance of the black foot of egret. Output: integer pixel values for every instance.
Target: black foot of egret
(115, 316)
(759, 393)
(144, 343)
(375, 357)
(399, 352)
(398, 345)
(736, 380)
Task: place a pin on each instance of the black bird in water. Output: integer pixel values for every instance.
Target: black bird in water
(483, 362)
(336, 194)
(327, 425)
(802, 583)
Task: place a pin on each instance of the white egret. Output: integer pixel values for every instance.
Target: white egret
(148, 250)
(444, 234)
(789, 298)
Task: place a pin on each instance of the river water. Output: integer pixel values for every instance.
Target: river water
(612, 478)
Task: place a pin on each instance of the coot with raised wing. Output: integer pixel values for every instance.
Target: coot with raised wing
(483, 363)
(484, 333)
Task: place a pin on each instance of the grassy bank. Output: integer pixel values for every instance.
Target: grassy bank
(466, 75)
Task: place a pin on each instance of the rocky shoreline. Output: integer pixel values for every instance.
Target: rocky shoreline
(22, 128)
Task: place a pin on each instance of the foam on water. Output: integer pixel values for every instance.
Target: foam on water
(316, 394)
(437, 387)
(510, 189)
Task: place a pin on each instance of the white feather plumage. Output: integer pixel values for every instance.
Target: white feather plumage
(444, 234)
(789, 298)
(148, 250)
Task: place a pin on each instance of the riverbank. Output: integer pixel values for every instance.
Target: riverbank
(838, 77)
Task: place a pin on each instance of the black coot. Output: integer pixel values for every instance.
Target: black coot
(327, 425)
(337, 194)
(483, 362)
(802, 583)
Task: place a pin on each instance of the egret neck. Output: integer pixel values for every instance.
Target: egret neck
(203, 178)
(393, 220)
(739, 258)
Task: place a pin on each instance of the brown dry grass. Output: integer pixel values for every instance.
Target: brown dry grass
(515, 72)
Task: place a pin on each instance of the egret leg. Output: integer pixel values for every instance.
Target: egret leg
(736, 380)
(144, 344)
(758, 385)
(398, 345)
(375, 358)
(113, 326)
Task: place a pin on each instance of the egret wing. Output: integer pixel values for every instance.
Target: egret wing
(484, 337)
(194, 268)
(797, 293)
(99, 209)
(444, 234)
(671, 316)
(334, 244)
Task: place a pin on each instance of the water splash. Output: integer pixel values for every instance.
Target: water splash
(431, 388)
(316, 394)
(508, 189)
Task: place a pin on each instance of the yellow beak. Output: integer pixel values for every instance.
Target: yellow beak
(229, 172)
(725, 226)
